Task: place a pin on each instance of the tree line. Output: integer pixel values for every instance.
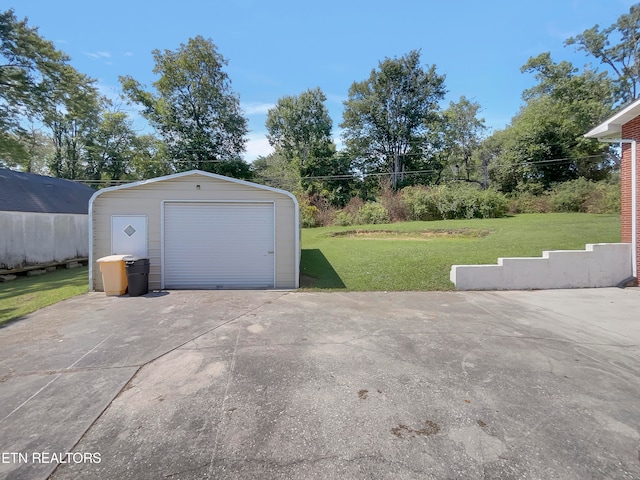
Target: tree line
(395, 132)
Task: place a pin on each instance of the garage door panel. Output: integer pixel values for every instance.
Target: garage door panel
(219, 245)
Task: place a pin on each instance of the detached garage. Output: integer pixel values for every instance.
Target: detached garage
(200, 231)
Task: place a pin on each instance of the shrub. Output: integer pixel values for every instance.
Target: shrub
(394, 203)
(325, 216)
(570, 196)
(453, 202)
(371, 213)
(421, 203)
(579, 195)
(605, 198)
(308, 215)
(585, 196)
(527, 202)
(458, 202)
(342, 218)
(493, 204)
(354, 204)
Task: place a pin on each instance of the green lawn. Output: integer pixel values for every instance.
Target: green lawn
(28, 294)
(419, 255)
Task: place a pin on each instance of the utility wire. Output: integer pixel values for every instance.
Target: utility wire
(349, 176)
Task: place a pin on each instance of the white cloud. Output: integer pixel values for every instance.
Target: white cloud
(98, 55)
(257, 146)
(128, 54)
(256, 108)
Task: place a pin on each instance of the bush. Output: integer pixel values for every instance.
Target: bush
(421, 203)
(585, 196)
(308, 215)
(605, 198)
(325, 216)
(493, 204)
(354, 204)
(570, 196)
(579, 195)
(342, 218)
(458, 201)
(371, 213)
(527, 202)
(394, 203)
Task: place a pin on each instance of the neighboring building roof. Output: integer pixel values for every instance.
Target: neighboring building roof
(28, 192)
(612, 127)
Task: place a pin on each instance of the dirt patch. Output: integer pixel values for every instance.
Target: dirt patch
(416, 235)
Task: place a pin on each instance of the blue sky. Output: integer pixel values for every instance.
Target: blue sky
(277, 48)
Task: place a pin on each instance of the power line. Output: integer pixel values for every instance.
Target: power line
(352, 176)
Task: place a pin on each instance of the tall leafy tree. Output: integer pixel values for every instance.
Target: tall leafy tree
(618, 47)
(38, 85)
(277, 171)
(29, 67)
(299, 128)
(194, 108)
(387, 116)
(463, 131)
(111, 147)
(544, 143)
(150, 158)
(71, 110)
(39, 148)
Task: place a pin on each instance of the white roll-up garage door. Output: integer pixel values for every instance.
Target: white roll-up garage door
(218, 245)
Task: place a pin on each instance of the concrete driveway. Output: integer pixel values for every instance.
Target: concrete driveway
(281, 385)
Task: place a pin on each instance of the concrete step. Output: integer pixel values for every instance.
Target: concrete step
(599, 265)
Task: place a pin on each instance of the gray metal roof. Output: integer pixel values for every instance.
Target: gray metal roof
(28, 192)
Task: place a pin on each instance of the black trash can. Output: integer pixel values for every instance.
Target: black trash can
(138, 276)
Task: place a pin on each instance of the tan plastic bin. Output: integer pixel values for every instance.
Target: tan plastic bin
(114, 274)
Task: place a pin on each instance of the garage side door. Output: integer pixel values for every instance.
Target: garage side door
(218, 245)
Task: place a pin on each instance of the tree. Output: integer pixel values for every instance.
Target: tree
(276, 170)
(150, 158)
(39, 148)
(111, 147)
(544, 143)
(463, 131)
(299, 128)
(622, 57)
(386, 117)
(194, 110)
(29, 67)
(71, 108)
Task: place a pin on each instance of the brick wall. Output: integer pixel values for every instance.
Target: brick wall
(630, 130)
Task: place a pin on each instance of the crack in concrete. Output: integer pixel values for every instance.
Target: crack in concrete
(125, 386)
(63, 371)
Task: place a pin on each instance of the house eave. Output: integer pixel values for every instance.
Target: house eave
(605, 132)
(611, 129)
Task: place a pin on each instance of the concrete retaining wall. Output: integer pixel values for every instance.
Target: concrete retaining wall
(34, 238)
(600, 265)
